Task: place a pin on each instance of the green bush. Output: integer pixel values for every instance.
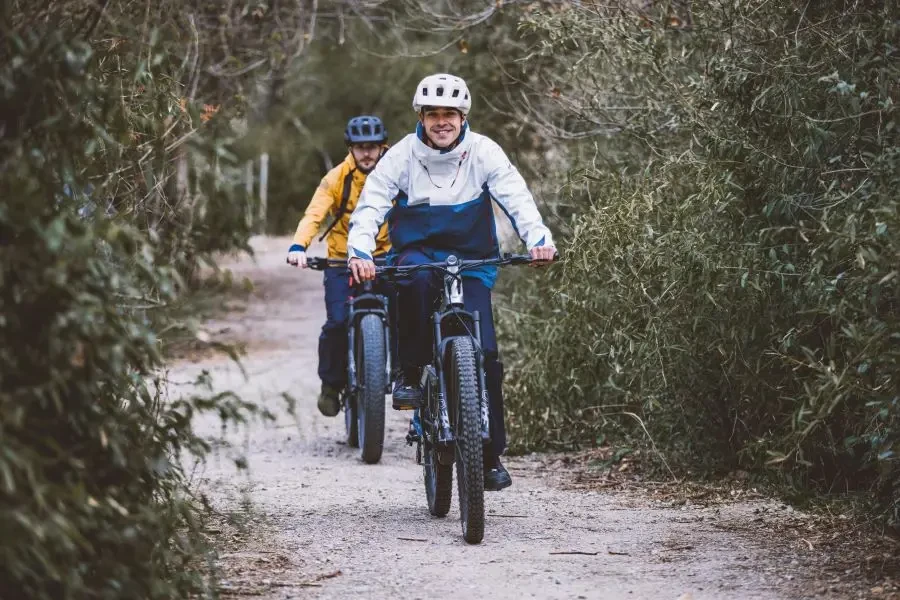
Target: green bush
(93, 500)
(732, 281)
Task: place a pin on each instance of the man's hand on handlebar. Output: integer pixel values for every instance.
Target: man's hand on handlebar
(297, 258)
(542, 255)
(362, 269)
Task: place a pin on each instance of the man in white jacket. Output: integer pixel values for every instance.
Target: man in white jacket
(435, 188)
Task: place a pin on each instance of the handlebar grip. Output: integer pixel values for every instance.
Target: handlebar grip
(316, 262)
(520, 259)
(319, 263)
(524, 259)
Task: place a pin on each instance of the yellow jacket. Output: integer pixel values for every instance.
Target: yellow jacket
(327, 202)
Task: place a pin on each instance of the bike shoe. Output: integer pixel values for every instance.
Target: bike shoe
(496, 477)
(407, 394)
(329, 401)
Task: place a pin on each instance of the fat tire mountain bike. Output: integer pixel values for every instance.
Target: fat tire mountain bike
(453, 424)
(368, 365)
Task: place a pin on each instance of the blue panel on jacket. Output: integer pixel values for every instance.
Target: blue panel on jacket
(468, 229)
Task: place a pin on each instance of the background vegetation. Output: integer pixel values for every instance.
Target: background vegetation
(118, 174)
(731, 281)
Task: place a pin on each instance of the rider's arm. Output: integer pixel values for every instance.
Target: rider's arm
(322, 203)
(376, 199)
(509, 189)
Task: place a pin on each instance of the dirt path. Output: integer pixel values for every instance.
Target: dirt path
(321, 524)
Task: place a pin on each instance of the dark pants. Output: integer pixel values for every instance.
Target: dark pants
(333, 339)
(418, 298)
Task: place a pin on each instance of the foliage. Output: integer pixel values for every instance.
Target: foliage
(97, 226)
(731, 278)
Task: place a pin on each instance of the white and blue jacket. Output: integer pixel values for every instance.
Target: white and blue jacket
(439, 201)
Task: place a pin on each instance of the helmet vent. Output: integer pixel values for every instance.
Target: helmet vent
(364, 129)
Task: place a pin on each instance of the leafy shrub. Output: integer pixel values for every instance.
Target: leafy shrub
(93, 501)
(732, 279)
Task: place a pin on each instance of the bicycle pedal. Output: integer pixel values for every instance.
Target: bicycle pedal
(405, 406)
(412, 438)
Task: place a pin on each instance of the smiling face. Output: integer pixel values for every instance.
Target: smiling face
(442, 125)
(366, 155)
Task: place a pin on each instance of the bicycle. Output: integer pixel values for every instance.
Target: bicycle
(452, 425)
(368, 365)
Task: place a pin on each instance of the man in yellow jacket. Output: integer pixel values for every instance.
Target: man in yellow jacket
(336, 196)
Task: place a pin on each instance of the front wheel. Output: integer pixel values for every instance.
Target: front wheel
(370, 364)
(465, 415)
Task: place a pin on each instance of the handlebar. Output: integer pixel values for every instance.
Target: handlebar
(320, 263)
(444, 266)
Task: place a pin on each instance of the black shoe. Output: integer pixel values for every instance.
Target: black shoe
(329, 401)
(496, 477)
(407, 393)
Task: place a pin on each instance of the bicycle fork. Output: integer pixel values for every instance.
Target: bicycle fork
(482, 383)
(445, 434)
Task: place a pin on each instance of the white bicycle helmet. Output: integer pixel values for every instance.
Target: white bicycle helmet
(443, 90)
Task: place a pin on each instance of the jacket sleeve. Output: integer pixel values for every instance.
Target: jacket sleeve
(322, 203)
(510, 191)
(376, 199)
